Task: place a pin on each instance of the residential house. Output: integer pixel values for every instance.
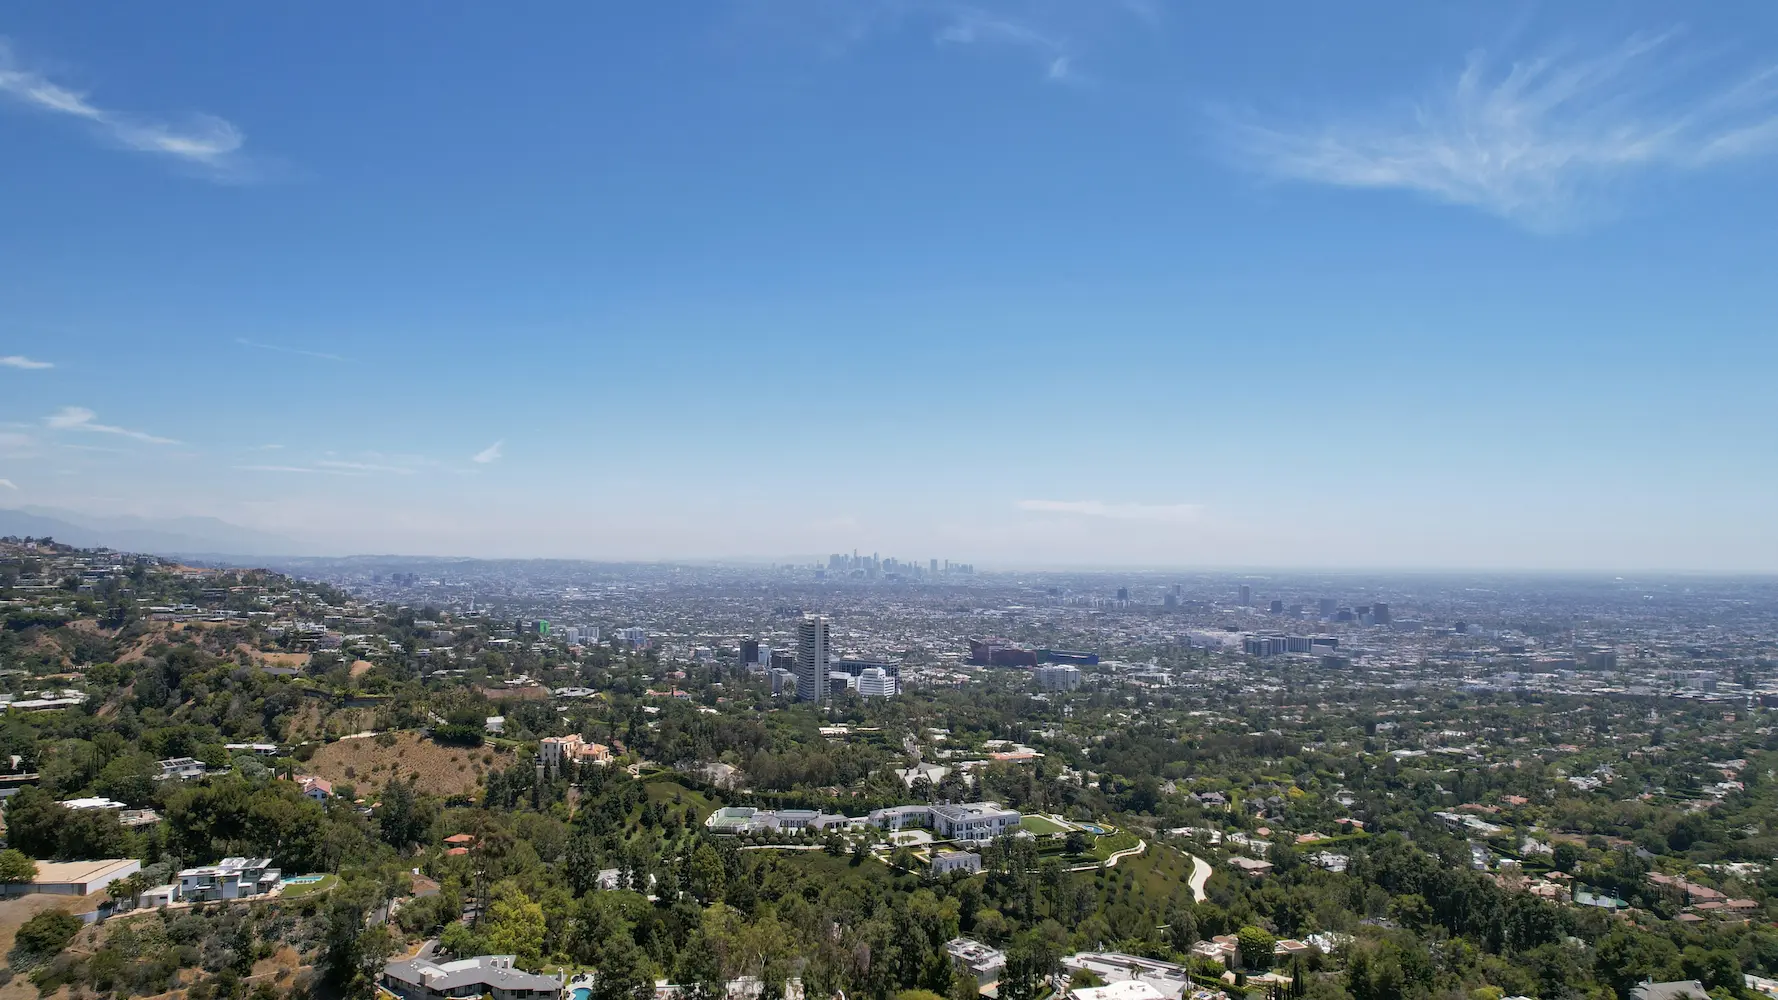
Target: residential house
(1127, 989)
(1250, 866)
(967, 821)
(555, 751)
(483, 976)
(1684, 989)
(1217, 950)
(945, 862)
(182, 768)
(984, 963)
(230, 878)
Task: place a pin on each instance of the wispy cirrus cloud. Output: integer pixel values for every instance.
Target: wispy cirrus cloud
(340, 465)
(369, 463)
(294, 469)
(973, 26)
(1541, 141)
(207, 143)
(79, 418)
(320, 355)
(20, 361)
(489, 454)
(8, 484)
(1166, 512)
(1056, 35)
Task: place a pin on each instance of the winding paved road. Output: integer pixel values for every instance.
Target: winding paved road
(1200, 875)
(1112, 859)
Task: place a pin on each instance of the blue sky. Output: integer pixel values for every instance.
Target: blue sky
(1040, 283)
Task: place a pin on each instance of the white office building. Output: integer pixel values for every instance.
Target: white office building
(1057, 677)
(875, 682)
(812, 659)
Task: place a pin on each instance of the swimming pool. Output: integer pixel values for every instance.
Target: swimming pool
(581, 993)
(1097, 831)
(303, 879)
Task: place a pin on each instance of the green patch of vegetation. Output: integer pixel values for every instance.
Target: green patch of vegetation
(1038, 826)
(1104, 847)
(1157, 873)
(670, 793)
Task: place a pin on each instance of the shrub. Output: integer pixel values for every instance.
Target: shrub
(47, 933)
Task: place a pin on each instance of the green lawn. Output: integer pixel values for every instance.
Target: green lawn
(674, 795)
(300, 889)
(1037, 826)
(819, 865)
(1159, 874)
(1104, 847)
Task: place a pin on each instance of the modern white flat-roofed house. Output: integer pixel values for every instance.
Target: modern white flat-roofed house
(183, 767)
(984, 963)
(1128, 989)
(483, 976)
(93, 803)
(230, 878)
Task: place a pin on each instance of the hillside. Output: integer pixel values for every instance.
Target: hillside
(370, 762)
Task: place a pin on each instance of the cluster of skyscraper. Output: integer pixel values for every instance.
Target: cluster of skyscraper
(1326, 608)
(874, 567)
(814, 674)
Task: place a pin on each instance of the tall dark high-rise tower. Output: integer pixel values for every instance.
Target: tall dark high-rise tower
(811, 659)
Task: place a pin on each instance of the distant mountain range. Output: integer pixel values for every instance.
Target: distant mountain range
(171, 536)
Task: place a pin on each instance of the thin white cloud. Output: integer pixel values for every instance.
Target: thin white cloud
(20, 361)
(489, 454)
(1171, 512)
(9, 484)
(206, 142)
(345, 466)
(1541, 142)
(322, 355)
(972, 25)
(294, 469)
(79, 418)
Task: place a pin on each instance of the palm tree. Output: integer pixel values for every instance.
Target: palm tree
(129, 887)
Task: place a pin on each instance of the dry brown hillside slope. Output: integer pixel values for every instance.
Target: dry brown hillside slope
(367, 764)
